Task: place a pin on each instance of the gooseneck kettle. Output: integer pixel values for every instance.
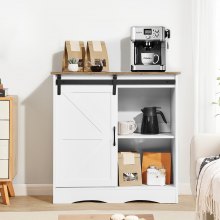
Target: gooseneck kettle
(150, 121)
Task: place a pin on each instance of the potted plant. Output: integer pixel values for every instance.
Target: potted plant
(73, 65)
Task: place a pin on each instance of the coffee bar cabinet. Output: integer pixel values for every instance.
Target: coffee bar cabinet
(86, 111)
(8, 145)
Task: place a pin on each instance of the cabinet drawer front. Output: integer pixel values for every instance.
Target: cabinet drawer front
(3, 169)
(4, 110)
(4, 149)
(4, 129)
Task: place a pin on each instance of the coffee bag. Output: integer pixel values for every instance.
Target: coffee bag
(129, 169)
(73, 50)
(96, 54)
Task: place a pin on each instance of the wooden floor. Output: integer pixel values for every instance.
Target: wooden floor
(44, 203)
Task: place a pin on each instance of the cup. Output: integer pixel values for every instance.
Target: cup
(148, 58)
(126, 127)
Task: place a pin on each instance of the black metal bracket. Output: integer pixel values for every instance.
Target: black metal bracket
(58, 83)
(115, 81)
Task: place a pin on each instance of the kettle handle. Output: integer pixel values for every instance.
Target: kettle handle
(162, 115)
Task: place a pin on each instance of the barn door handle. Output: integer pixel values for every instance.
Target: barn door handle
(114, 143)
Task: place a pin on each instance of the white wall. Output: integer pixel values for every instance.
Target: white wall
(32, 37)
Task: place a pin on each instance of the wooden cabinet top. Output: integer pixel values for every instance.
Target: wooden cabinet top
(8, 98)
(115, 73)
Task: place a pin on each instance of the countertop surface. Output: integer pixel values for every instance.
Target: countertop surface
(115, 73)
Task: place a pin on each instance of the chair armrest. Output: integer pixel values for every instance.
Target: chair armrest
(202, 145)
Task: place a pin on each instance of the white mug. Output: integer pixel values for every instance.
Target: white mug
(126, 127)
(148, 58)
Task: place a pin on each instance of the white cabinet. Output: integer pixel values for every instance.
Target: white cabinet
(8, 137)
(86, 144)
(4, 139)
(84, 151)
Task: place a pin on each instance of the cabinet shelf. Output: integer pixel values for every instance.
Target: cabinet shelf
(114, 73)
(147, 136)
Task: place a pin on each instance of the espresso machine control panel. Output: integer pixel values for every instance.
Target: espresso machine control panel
(148, 48)
(147, 33)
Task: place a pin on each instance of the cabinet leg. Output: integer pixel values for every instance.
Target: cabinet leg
(11, 191)
(4, 194)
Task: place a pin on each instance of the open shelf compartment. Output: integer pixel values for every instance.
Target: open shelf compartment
(130, 102)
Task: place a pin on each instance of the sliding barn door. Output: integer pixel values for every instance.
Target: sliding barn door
(84, 153)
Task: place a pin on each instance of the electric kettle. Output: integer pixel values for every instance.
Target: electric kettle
(150, 121)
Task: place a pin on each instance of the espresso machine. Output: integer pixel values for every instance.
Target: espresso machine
(148, 48)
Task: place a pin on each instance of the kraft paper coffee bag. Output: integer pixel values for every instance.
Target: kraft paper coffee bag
(96, 53)
(129, 169)
(73, 49)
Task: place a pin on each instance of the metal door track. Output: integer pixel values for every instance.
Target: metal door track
(114, 82)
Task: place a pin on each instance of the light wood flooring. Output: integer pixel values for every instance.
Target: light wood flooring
(44, 203)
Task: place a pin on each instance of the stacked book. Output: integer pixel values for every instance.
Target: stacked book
(3, 91)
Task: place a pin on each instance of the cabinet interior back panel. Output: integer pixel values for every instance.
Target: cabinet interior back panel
(132, 100)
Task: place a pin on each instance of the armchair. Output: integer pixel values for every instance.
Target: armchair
(202, 145)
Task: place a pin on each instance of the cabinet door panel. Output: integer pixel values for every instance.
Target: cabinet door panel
(84, 117)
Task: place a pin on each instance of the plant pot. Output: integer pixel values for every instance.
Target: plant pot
(96, 68)
(73, 67)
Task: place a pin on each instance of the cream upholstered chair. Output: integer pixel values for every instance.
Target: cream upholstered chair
(202, 145)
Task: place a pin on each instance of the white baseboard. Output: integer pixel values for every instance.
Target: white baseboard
(185, 189)
(47, 189)
(33, 189)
